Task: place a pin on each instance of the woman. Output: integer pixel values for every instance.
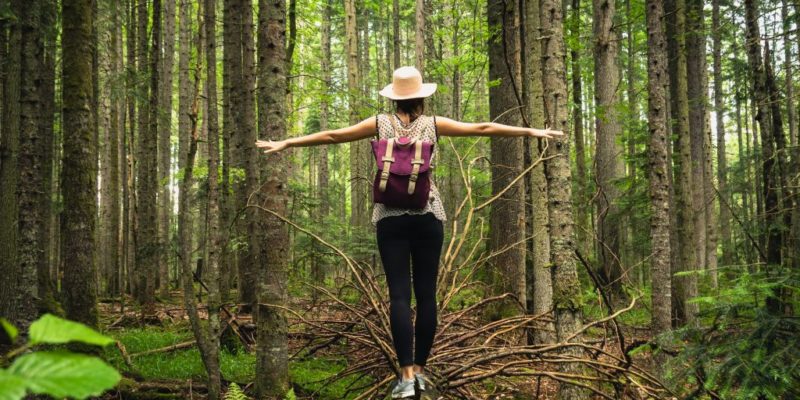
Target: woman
(409, 237)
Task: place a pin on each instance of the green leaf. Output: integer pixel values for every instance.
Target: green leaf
(10, 329)
(12, 387)
(53, 330)
(64, 374)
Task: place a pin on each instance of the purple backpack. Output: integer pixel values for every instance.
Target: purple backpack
(403, 176)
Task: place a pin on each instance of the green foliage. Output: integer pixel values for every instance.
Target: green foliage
(54, 330)
(235, 393)
(312, 375)
(745, 351)
(236, 366)
(57, 373)
(64, 374)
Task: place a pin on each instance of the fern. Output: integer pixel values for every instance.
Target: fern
(235, 393)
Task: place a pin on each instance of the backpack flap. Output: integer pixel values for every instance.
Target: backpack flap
(403, 156)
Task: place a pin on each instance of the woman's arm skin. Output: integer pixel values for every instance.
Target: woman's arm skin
(449, 127)
(361, 130)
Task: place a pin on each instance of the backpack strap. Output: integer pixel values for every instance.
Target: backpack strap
(416, 162)
(387, 163)
(377, 129)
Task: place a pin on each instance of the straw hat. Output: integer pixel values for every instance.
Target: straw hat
(407, 84)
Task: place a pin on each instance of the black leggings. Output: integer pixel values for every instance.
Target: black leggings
(406, 240)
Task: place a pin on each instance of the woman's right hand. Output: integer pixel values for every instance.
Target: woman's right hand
(271, 146)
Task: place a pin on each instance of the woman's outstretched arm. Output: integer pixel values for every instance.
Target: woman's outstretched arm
(361, 130)
(449, 127)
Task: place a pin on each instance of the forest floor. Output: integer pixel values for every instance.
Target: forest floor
(160, 361)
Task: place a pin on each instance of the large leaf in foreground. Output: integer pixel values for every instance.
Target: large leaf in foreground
(53, 330)
(12, 387)
(62, 374)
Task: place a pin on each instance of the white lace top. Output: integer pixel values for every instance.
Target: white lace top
(422, 128)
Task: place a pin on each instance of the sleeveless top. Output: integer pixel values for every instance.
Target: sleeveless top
(422, 128)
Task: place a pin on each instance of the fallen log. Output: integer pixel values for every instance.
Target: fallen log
(167, 349)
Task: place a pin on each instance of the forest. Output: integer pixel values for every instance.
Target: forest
(150, 250)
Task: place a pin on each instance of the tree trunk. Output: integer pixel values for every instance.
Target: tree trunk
(185, 94)
(507, 215)
(685, 287)
(231, 47)
(242, 108)
(772, 235)
(164, 146)
(722, 164)
(213, 242)
(359, 152)
(659, 167)
(9, 153)
(696, 96)
(609, 154)
(208, 341)
(108, 244)
(582, 218)
(791, 115)
(539, 282)
(784, 210)
(129, 192)
(272, 367)
(566, 288)
(150, 250)
(629, 222)
(47, 288)
(30, 226)
(79, 173)
(318, 268)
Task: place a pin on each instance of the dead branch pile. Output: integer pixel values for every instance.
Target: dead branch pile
(467, 349)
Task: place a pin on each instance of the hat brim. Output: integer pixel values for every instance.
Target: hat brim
(425, 90)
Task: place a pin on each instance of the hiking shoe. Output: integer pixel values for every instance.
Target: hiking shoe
(403, 388)
(421, 380)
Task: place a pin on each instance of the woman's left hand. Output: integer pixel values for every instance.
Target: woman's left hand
(545, 133)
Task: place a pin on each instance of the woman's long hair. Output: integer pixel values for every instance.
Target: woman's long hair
(412, 107)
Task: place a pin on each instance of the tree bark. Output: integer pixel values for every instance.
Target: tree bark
(129, 192)
(582, 218)
(9, 153)
(566, 288)
(658, 167)
(722, 164)
(507, 215)
(772, 235)
(696, 96)
(359, 153)
(47, 289)
(147, 180)
(609, 153)
(213, 243)
(272, 367)
(79, 170)
(539, 282)
(108, 244)
(164, 145)
(684, 287)
(323, 176)
(30, 221)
